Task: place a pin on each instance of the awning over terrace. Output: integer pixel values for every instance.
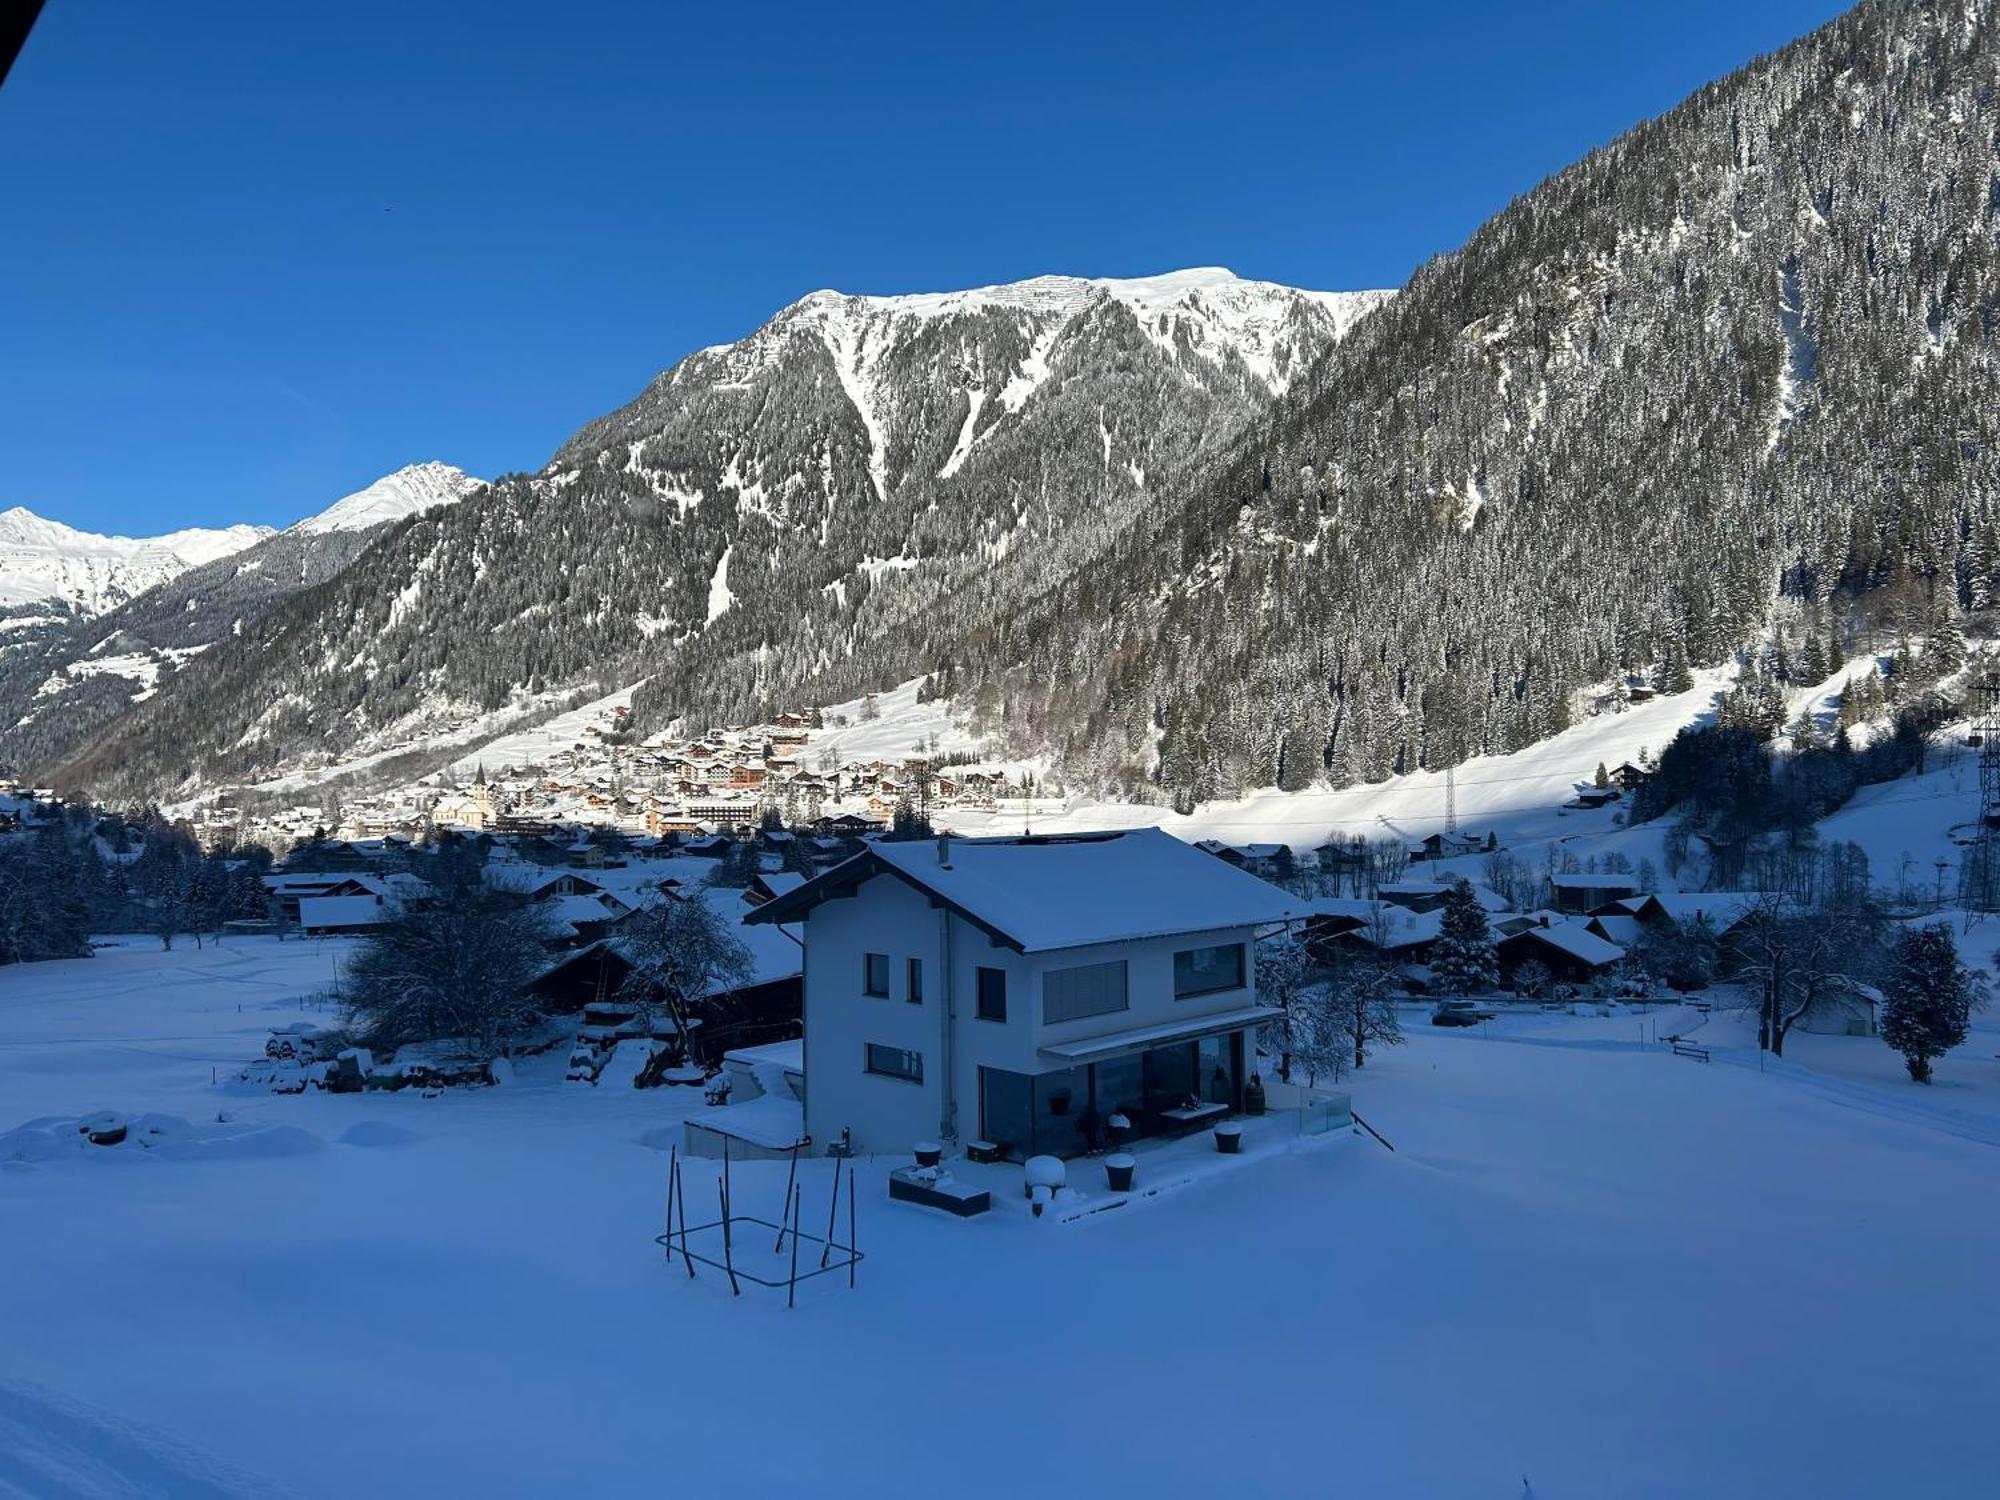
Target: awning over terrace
(1113, 1044)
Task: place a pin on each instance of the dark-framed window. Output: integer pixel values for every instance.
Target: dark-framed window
(916, 990)
(1085, 990)
(992, 995)
(895, 1062)
(875, 974)
(1207, 971)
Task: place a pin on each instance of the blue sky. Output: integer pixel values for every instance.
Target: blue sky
(254, 255)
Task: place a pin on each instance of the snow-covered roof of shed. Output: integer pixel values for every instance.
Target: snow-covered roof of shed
(1574, 939)
(1051, 891)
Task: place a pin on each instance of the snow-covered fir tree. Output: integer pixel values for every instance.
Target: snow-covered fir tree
(1462, 959)
(1927, 1007)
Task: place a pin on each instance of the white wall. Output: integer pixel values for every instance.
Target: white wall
(887, 1115)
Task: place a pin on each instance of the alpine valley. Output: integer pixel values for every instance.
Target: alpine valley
(1726, 380)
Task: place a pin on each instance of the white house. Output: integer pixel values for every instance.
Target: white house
(1022, 991)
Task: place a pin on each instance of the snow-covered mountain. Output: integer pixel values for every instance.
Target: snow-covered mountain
(851, 483)
(43, 560)
(407, 492)
(66, 671)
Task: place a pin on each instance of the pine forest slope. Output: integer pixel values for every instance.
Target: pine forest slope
(1745, 352)
(783, 512)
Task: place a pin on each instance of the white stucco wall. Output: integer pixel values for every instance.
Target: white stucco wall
(886, 915)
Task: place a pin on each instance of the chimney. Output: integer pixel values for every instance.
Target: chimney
(944, 851)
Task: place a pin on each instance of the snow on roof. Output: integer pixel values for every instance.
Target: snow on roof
(1485, 895)
(774, 953)
(1342, 906)
(1723, 909)
(1625, 931)
(790, 1054)
(339, 911)
(1574, 939)
(1403, 928)
(574, 909)
(1063, 890)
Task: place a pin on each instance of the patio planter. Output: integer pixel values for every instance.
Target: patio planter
(1253, 1096)
(932, 1189)
(1043, 1172)
(1118, 1128)
(1118, 1172)
(981, 1151)
(929, 1153)
(1229, 1139)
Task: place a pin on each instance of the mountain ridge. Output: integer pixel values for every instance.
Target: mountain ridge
(852, 463)
(48, 561)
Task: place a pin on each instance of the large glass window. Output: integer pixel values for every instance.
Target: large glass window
(1204, 971)
(1170, 1077)
(896, 1062)
(875, 974)
(1217, 1067)
(992, 994)
(1007, 1111)
(1065, 1123)
(1086, 990)
(1121, 1088)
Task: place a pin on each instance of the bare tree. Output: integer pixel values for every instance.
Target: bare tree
(1794, 956)
(1283, 978)
(1364, 988)
(681, 950)
(454, 964)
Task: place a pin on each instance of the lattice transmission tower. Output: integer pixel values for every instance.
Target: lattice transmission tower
(1982, 874)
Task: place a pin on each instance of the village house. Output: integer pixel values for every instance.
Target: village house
(1447, 846)
(1020, 992)
(1580, 894)
(1567, 949)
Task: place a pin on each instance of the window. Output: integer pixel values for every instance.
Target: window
(992, 995)
(875, 974)
(1204, 971)
(916, 994)
(896, 1062)
(1086, 990)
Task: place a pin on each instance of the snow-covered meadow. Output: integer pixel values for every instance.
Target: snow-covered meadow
(1587, 1262)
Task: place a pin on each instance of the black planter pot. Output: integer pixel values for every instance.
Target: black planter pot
(929, 1153)
(1118, 1171)
(1229, 1139)
(1253, 1096)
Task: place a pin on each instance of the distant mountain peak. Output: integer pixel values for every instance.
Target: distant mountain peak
(408, 491)
(45, 561)
(1214, 291)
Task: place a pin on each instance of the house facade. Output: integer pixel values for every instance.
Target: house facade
(1022, 991)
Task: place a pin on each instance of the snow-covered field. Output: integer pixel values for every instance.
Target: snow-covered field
(1615, 1272)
